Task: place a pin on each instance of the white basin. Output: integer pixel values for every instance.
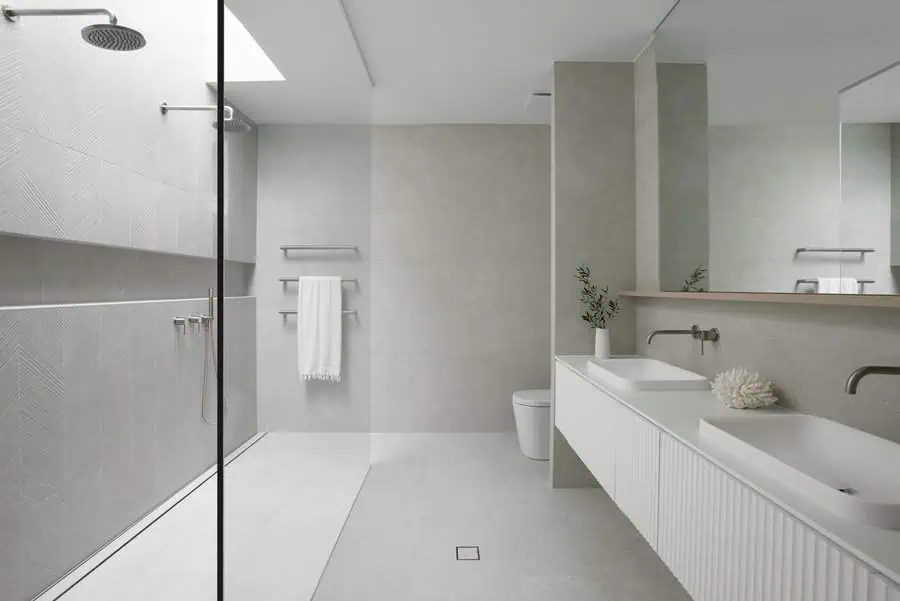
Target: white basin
(844, 470)
(637, 373)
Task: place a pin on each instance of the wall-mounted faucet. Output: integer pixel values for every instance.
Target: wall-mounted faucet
(858, 374)
(704, 336)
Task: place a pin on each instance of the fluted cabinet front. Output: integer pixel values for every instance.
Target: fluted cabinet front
(589, 420)
(637, 471)
(722, 540)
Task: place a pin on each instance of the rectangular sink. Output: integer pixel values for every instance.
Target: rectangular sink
(632, 374)
(843, 470)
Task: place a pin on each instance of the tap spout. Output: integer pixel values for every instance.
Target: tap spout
(858, 374)
(656, 333)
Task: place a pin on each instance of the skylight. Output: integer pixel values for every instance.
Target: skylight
(245, 60)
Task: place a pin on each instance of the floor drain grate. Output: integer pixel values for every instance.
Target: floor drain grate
(468, 553)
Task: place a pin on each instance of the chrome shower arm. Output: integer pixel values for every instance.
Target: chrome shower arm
(13, 14)
(165, 107)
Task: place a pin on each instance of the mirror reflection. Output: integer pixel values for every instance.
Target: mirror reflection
(770, 178)
(870, 180)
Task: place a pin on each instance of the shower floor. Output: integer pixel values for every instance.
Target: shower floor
(425, 496)
(286, 499)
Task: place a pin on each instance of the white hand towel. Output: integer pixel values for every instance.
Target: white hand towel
(837, 286)
(319, 325)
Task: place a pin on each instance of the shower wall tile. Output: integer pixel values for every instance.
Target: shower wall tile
(100, 421)
(69, 112)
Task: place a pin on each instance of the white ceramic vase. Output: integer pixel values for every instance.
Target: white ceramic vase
(601, 343)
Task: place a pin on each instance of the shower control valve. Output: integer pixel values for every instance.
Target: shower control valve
(180, 322)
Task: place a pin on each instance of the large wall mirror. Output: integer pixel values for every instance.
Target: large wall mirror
(777, 173)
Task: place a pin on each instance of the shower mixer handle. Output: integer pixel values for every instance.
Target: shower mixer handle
(180, 322)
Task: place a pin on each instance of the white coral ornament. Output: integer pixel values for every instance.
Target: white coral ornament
(739, 388)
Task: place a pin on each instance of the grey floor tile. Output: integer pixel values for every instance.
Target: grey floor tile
(536, 544)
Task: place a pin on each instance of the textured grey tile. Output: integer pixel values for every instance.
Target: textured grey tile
(114, 384)
(195, 223)
(46, 552)
(126, 434)
(10, 402)
(11, 560)
(42, 390)
(83, 437)
(87, 521)
(12, 69)
(11, 502)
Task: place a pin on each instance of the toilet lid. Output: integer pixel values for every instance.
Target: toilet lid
(532, 398)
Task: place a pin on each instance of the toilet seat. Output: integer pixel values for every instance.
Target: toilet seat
(532, 398)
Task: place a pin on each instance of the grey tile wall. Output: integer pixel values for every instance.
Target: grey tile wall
(86, 155)
(35, 272)
(808, 352)
(100, 421)
(593, 194)
(594, 211)
(460, 275)
(314, 188)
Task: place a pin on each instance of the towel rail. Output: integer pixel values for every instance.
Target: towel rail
(294, 312)
(861, 284)
(296, 279)
(813, 249)
(347, 247)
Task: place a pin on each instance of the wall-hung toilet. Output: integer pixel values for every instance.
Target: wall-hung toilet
(532, 411)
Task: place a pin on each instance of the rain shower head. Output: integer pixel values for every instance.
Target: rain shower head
(111, 36)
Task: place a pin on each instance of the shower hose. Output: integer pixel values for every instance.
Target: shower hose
(209, 349)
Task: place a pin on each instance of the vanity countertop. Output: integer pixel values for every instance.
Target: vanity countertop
(679, 414)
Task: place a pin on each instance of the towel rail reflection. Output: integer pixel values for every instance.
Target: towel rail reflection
(861, 284)
(294, 312)
(296, 279)
(811, 249)
(346, 247)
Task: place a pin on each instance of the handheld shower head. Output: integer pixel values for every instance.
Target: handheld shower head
(111, 36)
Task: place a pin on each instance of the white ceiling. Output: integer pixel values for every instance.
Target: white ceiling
(433, 61)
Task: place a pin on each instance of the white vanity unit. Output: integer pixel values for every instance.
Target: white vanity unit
(726, 527)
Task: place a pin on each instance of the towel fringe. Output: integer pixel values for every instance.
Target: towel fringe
(324, 375)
